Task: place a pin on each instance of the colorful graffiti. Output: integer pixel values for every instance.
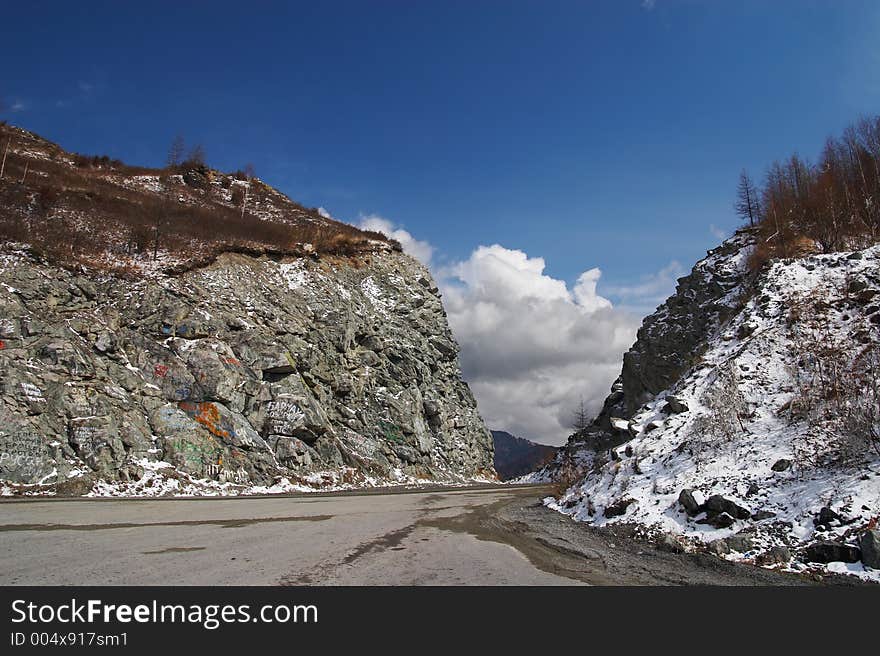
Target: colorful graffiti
(160, 370)
(208, 415)
(194, 452)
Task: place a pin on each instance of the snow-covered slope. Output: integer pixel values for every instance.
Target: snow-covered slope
(777, 419)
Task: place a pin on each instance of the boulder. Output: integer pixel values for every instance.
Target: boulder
(781, 465)
(719, 504)
(619, 507)
(829, 552)
(675, 405)
(869, 543)
(689, 503)
(774, 556)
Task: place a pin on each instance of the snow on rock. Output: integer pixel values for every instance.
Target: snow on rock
(781, 408)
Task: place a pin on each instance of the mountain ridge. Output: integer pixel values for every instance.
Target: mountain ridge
(518, 456)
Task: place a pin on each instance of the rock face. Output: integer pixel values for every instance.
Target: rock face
(669, 338)
(241, 372)
(730, 445)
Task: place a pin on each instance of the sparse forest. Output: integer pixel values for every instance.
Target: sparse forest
(828, 206)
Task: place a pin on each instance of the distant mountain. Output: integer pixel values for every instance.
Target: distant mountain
(515, 456)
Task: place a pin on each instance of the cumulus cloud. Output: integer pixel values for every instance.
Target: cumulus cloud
(651, 290)
(532, 347)
(421, 250)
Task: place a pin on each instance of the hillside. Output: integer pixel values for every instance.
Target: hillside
(230, 363)
(516, 456)
(764, 443)
(76, 210)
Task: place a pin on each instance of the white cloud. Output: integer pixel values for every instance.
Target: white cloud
(644, 296)
(18, 106)
(421, 250)
(324, 213)
(532, 347)
(648, 5)
(718, 233)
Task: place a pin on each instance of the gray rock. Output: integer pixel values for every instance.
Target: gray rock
(689, 503)
(245, 370)
(781, 465)
(828, 552)
(740, 543)
(674, 405)
(719, 504)
(774, 556)
(869, 543)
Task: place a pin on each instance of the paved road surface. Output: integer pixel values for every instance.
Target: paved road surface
(497, 536)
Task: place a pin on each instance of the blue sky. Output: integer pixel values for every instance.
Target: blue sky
(603, 134)
(576, 135)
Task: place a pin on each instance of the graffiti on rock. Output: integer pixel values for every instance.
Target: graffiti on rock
(208, 415)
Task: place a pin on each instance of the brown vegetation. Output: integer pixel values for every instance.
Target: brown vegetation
(829, 206)
(95, 211)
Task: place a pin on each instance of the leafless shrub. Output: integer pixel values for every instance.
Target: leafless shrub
(727, 409)
(836, 386)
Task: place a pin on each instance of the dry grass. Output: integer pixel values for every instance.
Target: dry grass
(77, 210)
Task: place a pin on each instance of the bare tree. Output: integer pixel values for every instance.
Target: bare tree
(160, 222)
(580, 418)
(249, 174)
(747, 199)
(196, 156)
(175, 152)
(5, 154)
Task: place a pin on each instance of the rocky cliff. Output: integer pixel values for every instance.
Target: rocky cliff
(245, 372)
(672, 336)
(764, 445)
(191, 364)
